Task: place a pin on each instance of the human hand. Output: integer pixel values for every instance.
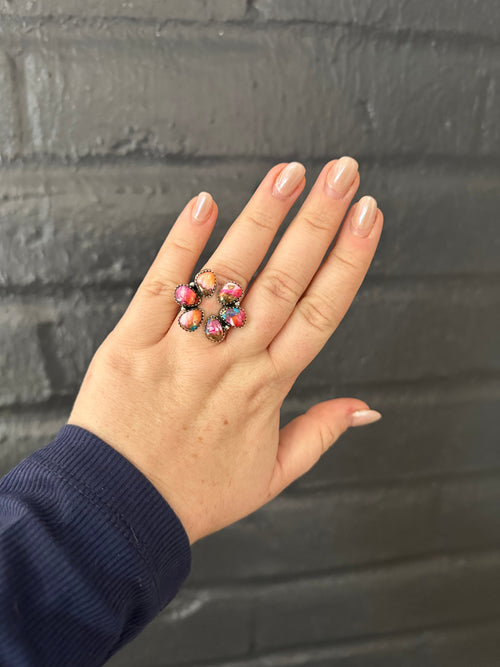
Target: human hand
(200, 419)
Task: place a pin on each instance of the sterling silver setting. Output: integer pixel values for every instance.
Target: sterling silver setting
(229, 302)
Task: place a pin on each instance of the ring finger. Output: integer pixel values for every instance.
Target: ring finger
(327, 299)
(275, 292)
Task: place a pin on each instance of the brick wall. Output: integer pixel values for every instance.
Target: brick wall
(112, 115)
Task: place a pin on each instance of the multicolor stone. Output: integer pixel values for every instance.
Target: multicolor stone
(190, 320)
(206, 282)
(214, 330)
(235, 317)
(186, 296)
(230, 293)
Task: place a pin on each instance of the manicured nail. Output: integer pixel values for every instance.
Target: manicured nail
(202, 207)
(288, 179)
(362, 417)
(341, 176)
(364, 216)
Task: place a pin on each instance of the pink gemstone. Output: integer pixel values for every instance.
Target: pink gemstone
(191, 319)
(233, 316)
(186, 296)
(214, 329)
(230, 293)
(206, 281)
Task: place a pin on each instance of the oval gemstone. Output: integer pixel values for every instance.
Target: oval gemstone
(230, 293)
(206, 281)
(191, 319)
(235, 317)
(214, 329)
(186, 296)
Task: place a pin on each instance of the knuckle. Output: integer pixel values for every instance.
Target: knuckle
(260, 219)
(348, 260)
(181, 246)
(327, 437)
(234, 270)
(157, 285)
(117, 357)
(279, 373)
(317, 220)
(318, 313)
(282, 286)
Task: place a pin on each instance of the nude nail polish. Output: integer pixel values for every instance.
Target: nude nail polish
(364, 215)
(341, 176)
(202, 207)
(288, 179)
(362, 417)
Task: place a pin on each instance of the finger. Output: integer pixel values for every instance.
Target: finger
(287, 274)
(246, 242)
(324, 304)
(151, 311)
(307, 437)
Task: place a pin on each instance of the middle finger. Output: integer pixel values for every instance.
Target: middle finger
(276, 290)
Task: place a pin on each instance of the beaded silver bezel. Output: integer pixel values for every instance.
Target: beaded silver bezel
(233, 303)
(187, 310)
(192, 286)
(224, 325)
(200, 292)
(236, 304)
(200, 289)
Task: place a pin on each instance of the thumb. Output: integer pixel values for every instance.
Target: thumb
(307, 437)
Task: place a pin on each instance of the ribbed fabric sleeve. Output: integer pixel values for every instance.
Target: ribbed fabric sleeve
(90, 552)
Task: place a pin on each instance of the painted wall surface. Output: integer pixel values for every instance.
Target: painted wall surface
(113, 115)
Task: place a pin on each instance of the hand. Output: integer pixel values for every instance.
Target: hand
(201, 419)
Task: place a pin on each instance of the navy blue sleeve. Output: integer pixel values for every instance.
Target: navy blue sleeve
(90, 552)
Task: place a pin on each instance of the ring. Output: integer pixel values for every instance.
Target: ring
(230, 315)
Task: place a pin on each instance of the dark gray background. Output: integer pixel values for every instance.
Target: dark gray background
(112, 115)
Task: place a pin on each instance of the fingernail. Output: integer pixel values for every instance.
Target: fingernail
(288, 179)
(364, 216)
(203, 207)
(341, 176)
(362, 417)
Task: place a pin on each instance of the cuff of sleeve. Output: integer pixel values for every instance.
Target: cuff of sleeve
(125, 491)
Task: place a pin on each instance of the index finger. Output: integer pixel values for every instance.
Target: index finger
(152, 309)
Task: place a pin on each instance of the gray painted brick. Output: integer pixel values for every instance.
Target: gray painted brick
(401, 598)
(431, 213)
(441, 437)
(457, 17)
(81, 226)
(352, 527)
(195, 627)
(462, 647)
(47, 347)
(22, 434)
(452, 329)
(467, 647)
(193, 10)
(490, 128)
(82, 324)
(116, 90)
(22, 364)
(10, 122)
(101, 225)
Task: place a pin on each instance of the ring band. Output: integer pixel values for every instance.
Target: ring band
(230, 315)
